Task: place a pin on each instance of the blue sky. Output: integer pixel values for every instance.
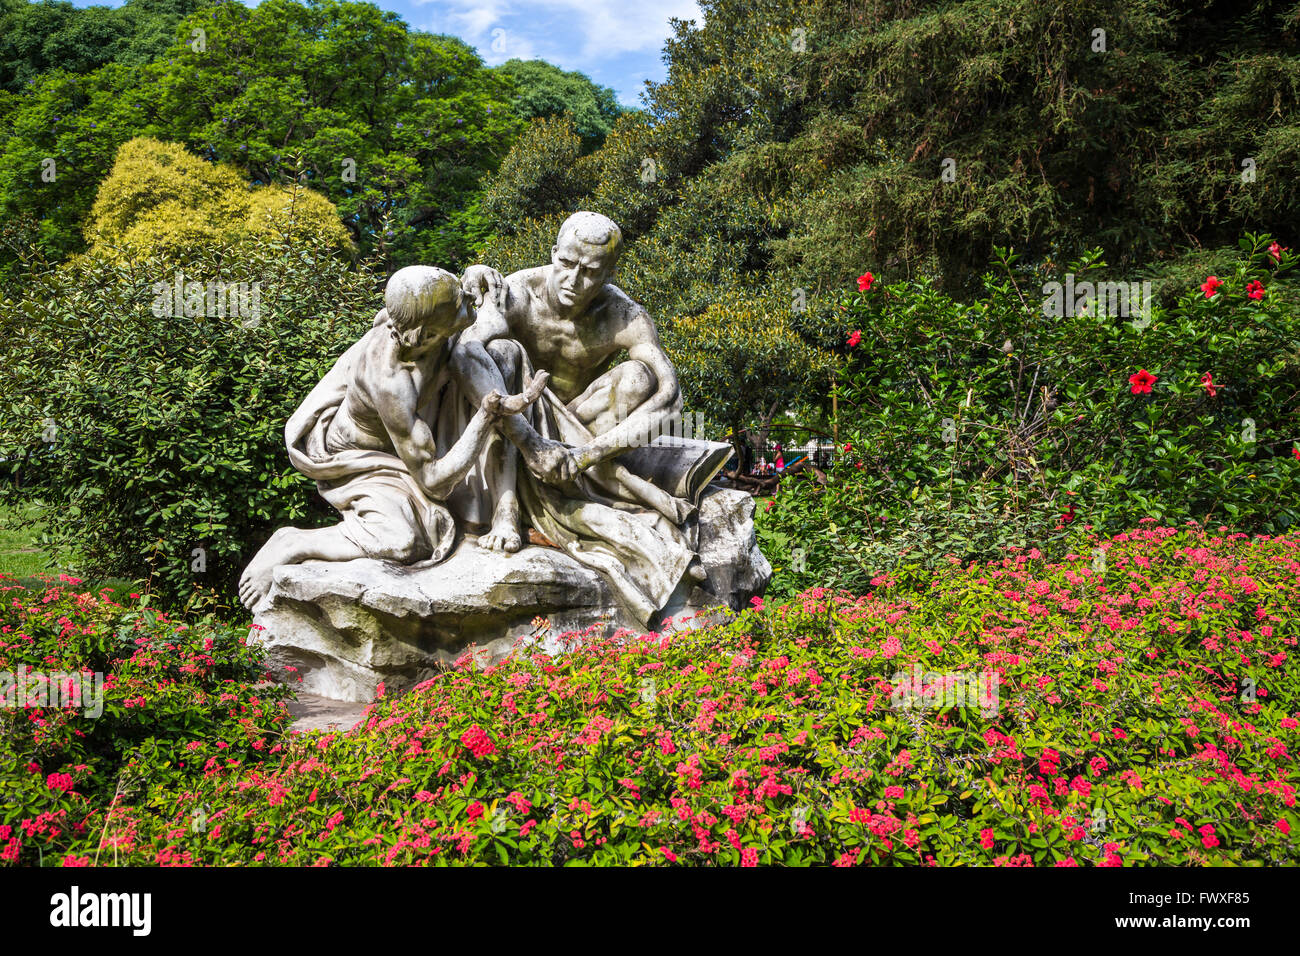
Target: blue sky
(615, 42)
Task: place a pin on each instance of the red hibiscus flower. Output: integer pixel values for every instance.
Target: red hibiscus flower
(1211, 286)
(1255, 290)
(855, 338)
(1208, 381)
(1142, 381)
(1276, 251)
(864, 282)
(1295, 451)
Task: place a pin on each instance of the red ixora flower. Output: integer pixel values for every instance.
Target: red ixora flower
(1208, 381)
(1142, 380)
(1295, 451)
(855, 338)
(1255, 290)
(478, 742)
(864, 282)
(1211, 286)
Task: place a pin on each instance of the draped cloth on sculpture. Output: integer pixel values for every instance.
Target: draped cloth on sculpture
(636, 535)
(373, 490)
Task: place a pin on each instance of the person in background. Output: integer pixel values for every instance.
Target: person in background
(746, 453)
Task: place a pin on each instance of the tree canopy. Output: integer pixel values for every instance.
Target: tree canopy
(812, 140)
(545, 90)
(397, 127)
(162, 201)
(36, 38)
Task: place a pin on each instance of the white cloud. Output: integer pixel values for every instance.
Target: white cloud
(573, 34)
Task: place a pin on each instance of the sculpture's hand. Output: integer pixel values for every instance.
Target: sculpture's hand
(500, 406)
(585, 458)
(553, 462)
(485, 284)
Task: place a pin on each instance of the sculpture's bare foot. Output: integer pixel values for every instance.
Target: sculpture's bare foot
(253, 588)
(255, 582)
(504, 535)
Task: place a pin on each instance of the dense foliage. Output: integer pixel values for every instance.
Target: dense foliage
(38, 38)
(794, 141)
(811, 137)
(966, 426)
(394, 126)
(163, 202)
(742, 360)
(155, 441)
(1136, 710)
(545, 90)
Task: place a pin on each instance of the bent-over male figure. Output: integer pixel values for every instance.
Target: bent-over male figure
(360, 433)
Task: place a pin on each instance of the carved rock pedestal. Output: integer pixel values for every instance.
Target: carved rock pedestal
(344, 627)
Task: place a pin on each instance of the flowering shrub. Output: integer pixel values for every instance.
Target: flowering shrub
(1144, 714)
(165, 684)
(1016, 417)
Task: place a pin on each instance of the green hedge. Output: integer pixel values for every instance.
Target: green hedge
(154, 444)
(966, 426)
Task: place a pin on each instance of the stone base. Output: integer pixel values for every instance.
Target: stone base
(348, 626)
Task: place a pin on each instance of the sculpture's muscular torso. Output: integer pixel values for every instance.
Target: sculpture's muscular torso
(571, 321)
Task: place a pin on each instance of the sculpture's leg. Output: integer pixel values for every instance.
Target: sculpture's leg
(611, 399)
(614, 396)
(504, 534)
(291, 546)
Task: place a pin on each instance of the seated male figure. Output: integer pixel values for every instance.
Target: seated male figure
(568, 318)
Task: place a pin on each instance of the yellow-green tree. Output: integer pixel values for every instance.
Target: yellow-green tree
(162, 200)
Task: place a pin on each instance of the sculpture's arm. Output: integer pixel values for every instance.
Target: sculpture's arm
(414, 443)
(642, 343)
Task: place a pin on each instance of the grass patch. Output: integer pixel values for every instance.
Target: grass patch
(27, 559)
(21, 553)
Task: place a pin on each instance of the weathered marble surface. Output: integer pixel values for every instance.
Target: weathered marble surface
(346, 626)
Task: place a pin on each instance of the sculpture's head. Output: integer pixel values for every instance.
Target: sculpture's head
(583, 258)
(425, 307)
